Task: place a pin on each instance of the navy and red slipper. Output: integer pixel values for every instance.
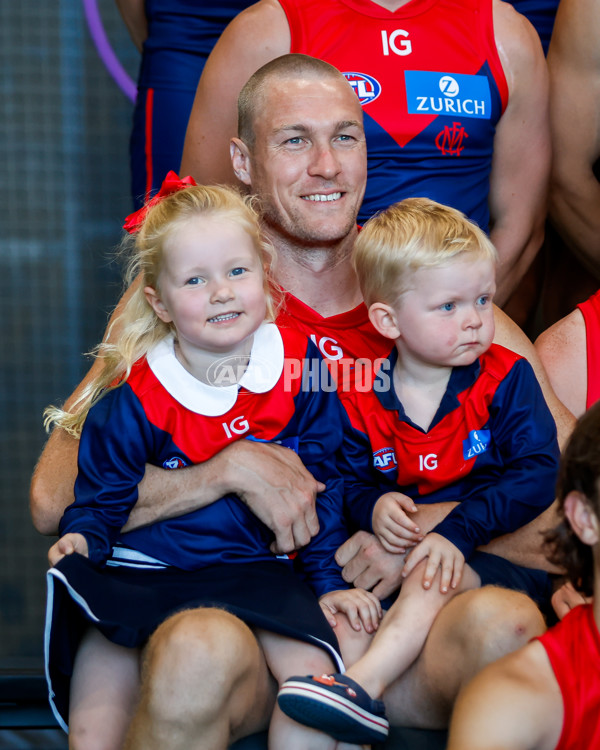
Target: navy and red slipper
(337, 705)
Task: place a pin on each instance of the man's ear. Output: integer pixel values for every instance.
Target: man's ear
(157, 304)
(383, 318)
(240, 160)
(582, 518)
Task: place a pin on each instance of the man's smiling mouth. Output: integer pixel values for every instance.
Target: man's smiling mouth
(321, 197)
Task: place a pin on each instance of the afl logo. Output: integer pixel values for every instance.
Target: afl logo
(385, 459)
(366, 87)
(174, 463)
(449, 86)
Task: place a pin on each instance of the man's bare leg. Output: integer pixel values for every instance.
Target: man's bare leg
(104, 692)
(474, 629)
(205, 684)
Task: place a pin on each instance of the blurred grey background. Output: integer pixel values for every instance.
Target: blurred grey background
(64, 192)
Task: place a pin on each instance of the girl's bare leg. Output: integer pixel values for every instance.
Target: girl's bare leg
(287, 657)
(104, 691)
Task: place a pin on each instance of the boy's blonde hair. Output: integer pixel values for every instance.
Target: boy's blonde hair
(140, 327)
(414, 233)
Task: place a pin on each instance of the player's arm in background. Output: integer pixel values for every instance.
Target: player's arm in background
(521, 159)
(256, 36)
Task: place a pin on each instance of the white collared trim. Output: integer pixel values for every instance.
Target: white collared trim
(263, 372)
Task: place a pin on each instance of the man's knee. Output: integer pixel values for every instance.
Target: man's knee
(201, 652)
(490, 622)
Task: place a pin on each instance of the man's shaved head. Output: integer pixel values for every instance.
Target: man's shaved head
(286, 67)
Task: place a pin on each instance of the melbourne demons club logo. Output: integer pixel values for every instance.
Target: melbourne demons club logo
(366, 87)
(450, 139)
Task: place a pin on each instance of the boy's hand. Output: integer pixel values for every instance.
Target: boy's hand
(440, 553)
(394, 529)
(66, 545)
(362, 608)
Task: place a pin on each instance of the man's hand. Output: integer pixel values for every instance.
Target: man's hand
(367, 565)
(567, 598)
(66, 545)
(395, 530)
(362, 608)
(275, 485)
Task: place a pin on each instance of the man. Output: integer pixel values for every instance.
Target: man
(454, 96)
(546, 696)
(303, 151)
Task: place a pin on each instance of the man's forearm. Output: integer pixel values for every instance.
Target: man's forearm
(165, 493)
(525, 545)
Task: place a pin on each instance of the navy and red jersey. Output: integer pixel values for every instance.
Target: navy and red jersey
(164, 416)
(432, 88)
(590, 309)
(349, 343)
(491, 447)
(573, 647)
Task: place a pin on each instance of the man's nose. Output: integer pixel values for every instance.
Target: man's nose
(325, 162)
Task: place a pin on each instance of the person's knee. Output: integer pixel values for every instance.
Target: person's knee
(490, 622)
(194, 662)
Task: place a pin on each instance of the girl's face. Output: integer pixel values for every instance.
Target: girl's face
(210, 286)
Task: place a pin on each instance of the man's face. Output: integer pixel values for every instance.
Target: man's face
(309, 163)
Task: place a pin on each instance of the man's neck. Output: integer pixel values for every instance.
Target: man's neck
(321, 277)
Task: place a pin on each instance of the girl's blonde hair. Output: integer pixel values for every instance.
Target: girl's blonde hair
(414, 233)
(139, 326)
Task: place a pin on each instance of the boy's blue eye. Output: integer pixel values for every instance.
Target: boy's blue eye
(483, 300)
(448, 307)
(193, 281)
(237, 271)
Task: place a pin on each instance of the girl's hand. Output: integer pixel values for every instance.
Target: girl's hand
(362, 608)
(440, 553)
(394, 529)
(66, 545)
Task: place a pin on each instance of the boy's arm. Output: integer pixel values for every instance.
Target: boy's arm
(524, 435)
(513, 704)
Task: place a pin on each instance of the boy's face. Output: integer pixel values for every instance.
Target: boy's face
(446, 317)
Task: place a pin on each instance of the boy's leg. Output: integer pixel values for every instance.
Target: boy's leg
(104, 691)
(205, 684)
(474, 629)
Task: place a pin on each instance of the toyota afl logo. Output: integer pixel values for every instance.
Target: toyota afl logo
(449, 86)
(366, 87)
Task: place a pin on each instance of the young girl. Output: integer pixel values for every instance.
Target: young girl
(197, 365)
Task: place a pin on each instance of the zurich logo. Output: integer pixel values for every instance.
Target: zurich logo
(366, 87)
(449, 86)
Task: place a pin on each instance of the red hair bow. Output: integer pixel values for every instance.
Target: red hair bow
(171, 184)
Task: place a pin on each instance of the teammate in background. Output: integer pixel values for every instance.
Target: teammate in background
(174, 37)
(454, 100)
(541, 14)
(310, 181)
(194, 367)
(571, 356)
(546, 696)
(574, 63)
(474, 411)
